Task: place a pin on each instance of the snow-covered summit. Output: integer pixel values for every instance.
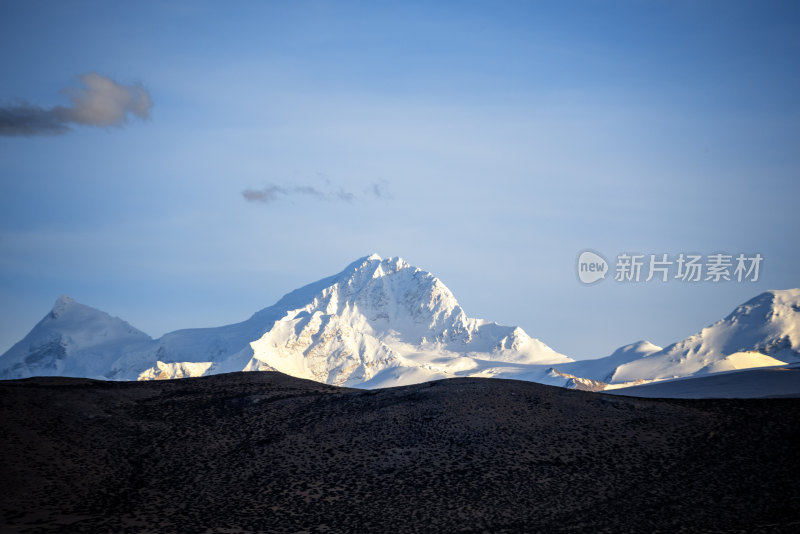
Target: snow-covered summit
(602, 369)
(378, 314)
(62, 305)
(391, 295)
(73, 340)
(763, 331)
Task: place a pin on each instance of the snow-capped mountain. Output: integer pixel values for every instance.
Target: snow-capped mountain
(602, 369)
(380, 315)
(382, 322)
(72, 340)
(377, 322)
(762, 332)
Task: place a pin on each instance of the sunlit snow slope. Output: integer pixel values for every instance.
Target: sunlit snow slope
(762, 332)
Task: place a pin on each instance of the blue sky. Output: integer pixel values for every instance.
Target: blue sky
(487, 142)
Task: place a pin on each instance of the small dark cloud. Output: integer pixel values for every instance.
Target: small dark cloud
(24, 119)
(310, 191)
(329, 193)
(99, 102)
(272, 193)
(379, 189)
(266, 195)
(345, 196)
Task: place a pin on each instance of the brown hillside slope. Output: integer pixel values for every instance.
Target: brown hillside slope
(263, 452)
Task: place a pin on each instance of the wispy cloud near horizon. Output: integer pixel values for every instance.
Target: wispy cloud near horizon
(100, 102)
(271, 193)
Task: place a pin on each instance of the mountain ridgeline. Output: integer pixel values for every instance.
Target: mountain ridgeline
(383, 322)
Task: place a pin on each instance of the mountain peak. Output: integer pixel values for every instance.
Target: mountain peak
(766, 327)
(374, 260)
(380, 315)
(769, 306)
(362, 271)
(63, 304)
(73, 340)
(643, 346)
(64, 299)
(68, 309)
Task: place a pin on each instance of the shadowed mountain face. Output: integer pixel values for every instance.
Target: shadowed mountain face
(249, 452)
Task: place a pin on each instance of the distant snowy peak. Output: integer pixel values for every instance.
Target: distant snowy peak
(632, 352)
(83, 327)
(73, 318)
(763, 331)
(62, 305)
(73, 340)
(640, 349)
(768, 323)
(602, 369)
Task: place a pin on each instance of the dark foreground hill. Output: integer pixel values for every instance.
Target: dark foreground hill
(263, 452)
